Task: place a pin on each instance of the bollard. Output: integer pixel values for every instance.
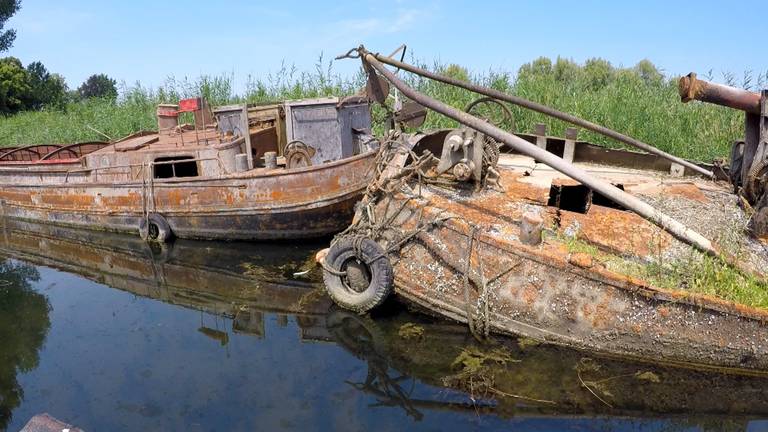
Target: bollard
(531, 227)
(540, 130)
(270, 160)
(570, 144)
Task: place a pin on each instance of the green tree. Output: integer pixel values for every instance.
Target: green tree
(566, 70)
(457, 72)
(598, 72)
(98, 85)
(15, 89)
(7, 9)
(648, 72)
(46, 89)
(542, 66)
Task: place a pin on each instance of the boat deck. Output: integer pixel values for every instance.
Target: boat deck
(572, 210)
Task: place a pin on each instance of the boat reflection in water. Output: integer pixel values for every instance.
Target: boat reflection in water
(504, 379)
(241, 281)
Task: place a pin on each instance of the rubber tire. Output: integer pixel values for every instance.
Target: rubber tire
(164, 232)
(382, 276)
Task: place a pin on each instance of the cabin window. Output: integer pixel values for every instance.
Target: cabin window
(175, 166)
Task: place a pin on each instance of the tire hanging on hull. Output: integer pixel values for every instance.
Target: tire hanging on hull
(154, 228)
(357, 274)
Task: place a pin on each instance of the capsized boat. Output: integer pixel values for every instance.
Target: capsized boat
(557, 240)
(288, 170)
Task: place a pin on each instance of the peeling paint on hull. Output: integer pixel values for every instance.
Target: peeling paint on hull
(300, 203)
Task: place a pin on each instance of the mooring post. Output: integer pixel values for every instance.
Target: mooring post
(570, 144)
(540, 130)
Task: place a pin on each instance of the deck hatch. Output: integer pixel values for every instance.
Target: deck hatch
(579, 198)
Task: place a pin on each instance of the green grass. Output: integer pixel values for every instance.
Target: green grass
(702, 274)
(694, 272)
(638, 102)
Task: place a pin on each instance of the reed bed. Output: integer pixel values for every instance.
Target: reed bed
(638, 101)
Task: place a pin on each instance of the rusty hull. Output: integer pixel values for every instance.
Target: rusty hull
(258, 204)
(549, 293)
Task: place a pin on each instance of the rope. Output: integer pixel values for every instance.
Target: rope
(483, 298)
(382, 189)
(327, 267)
(467, 266)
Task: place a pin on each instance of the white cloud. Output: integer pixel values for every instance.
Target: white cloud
(402, 20)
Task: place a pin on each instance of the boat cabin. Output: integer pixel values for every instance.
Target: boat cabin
(210, 143)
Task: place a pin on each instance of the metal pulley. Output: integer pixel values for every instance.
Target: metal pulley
(297, 155)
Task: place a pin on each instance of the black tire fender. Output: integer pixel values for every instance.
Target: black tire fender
(155, 229)
(373, 260)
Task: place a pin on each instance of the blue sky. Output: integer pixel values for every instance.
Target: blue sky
(146, 41)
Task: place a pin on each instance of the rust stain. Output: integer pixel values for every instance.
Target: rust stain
(603, 313)
(686, 190)
(515, 189)
(71, 201)
(581, 259)
(530, 294)
(617, 231)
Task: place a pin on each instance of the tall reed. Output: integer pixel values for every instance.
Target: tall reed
(638, 101)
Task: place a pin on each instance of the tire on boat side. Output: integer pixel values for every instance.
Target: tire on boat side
(157, 230)
(369, 278)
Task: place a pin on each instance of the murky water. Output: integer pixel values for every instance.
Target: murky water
(108, 334)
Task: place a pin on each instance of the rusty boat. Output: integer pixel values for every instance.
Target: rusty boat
(560, 240)
(288, 170)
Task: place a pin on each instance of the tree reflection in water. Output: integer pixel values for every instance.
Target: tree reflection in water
(24, 324)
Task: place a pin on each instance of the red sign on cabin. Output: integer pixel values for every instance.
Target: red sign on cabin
(189, 105)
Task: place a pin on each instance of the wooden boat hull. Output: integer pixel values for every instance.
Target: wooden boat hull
(260, 205)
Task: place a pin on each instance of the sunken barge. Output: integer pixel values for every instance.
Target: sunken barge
(288, 170)
(561, 241)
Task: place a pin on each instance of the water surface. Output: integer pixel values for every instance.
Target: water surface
(106, 333)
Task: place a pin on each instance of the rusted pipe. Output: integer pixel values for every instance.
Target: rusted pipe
(525, 103)
(667, 223)
(692, 88)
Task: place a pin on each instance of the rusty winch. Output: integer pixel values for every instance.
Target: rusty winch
(749, 157)
(470, 156)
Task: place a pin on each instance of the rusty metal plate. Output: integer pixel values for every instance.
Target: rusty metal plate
(377, 88)
(412, 114)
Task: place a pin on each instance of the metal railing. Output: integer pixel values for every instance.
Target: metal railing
(151, 165)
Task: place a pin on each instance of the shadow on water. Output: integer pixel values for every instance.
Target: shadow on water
(24, 324)
(395, 366)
